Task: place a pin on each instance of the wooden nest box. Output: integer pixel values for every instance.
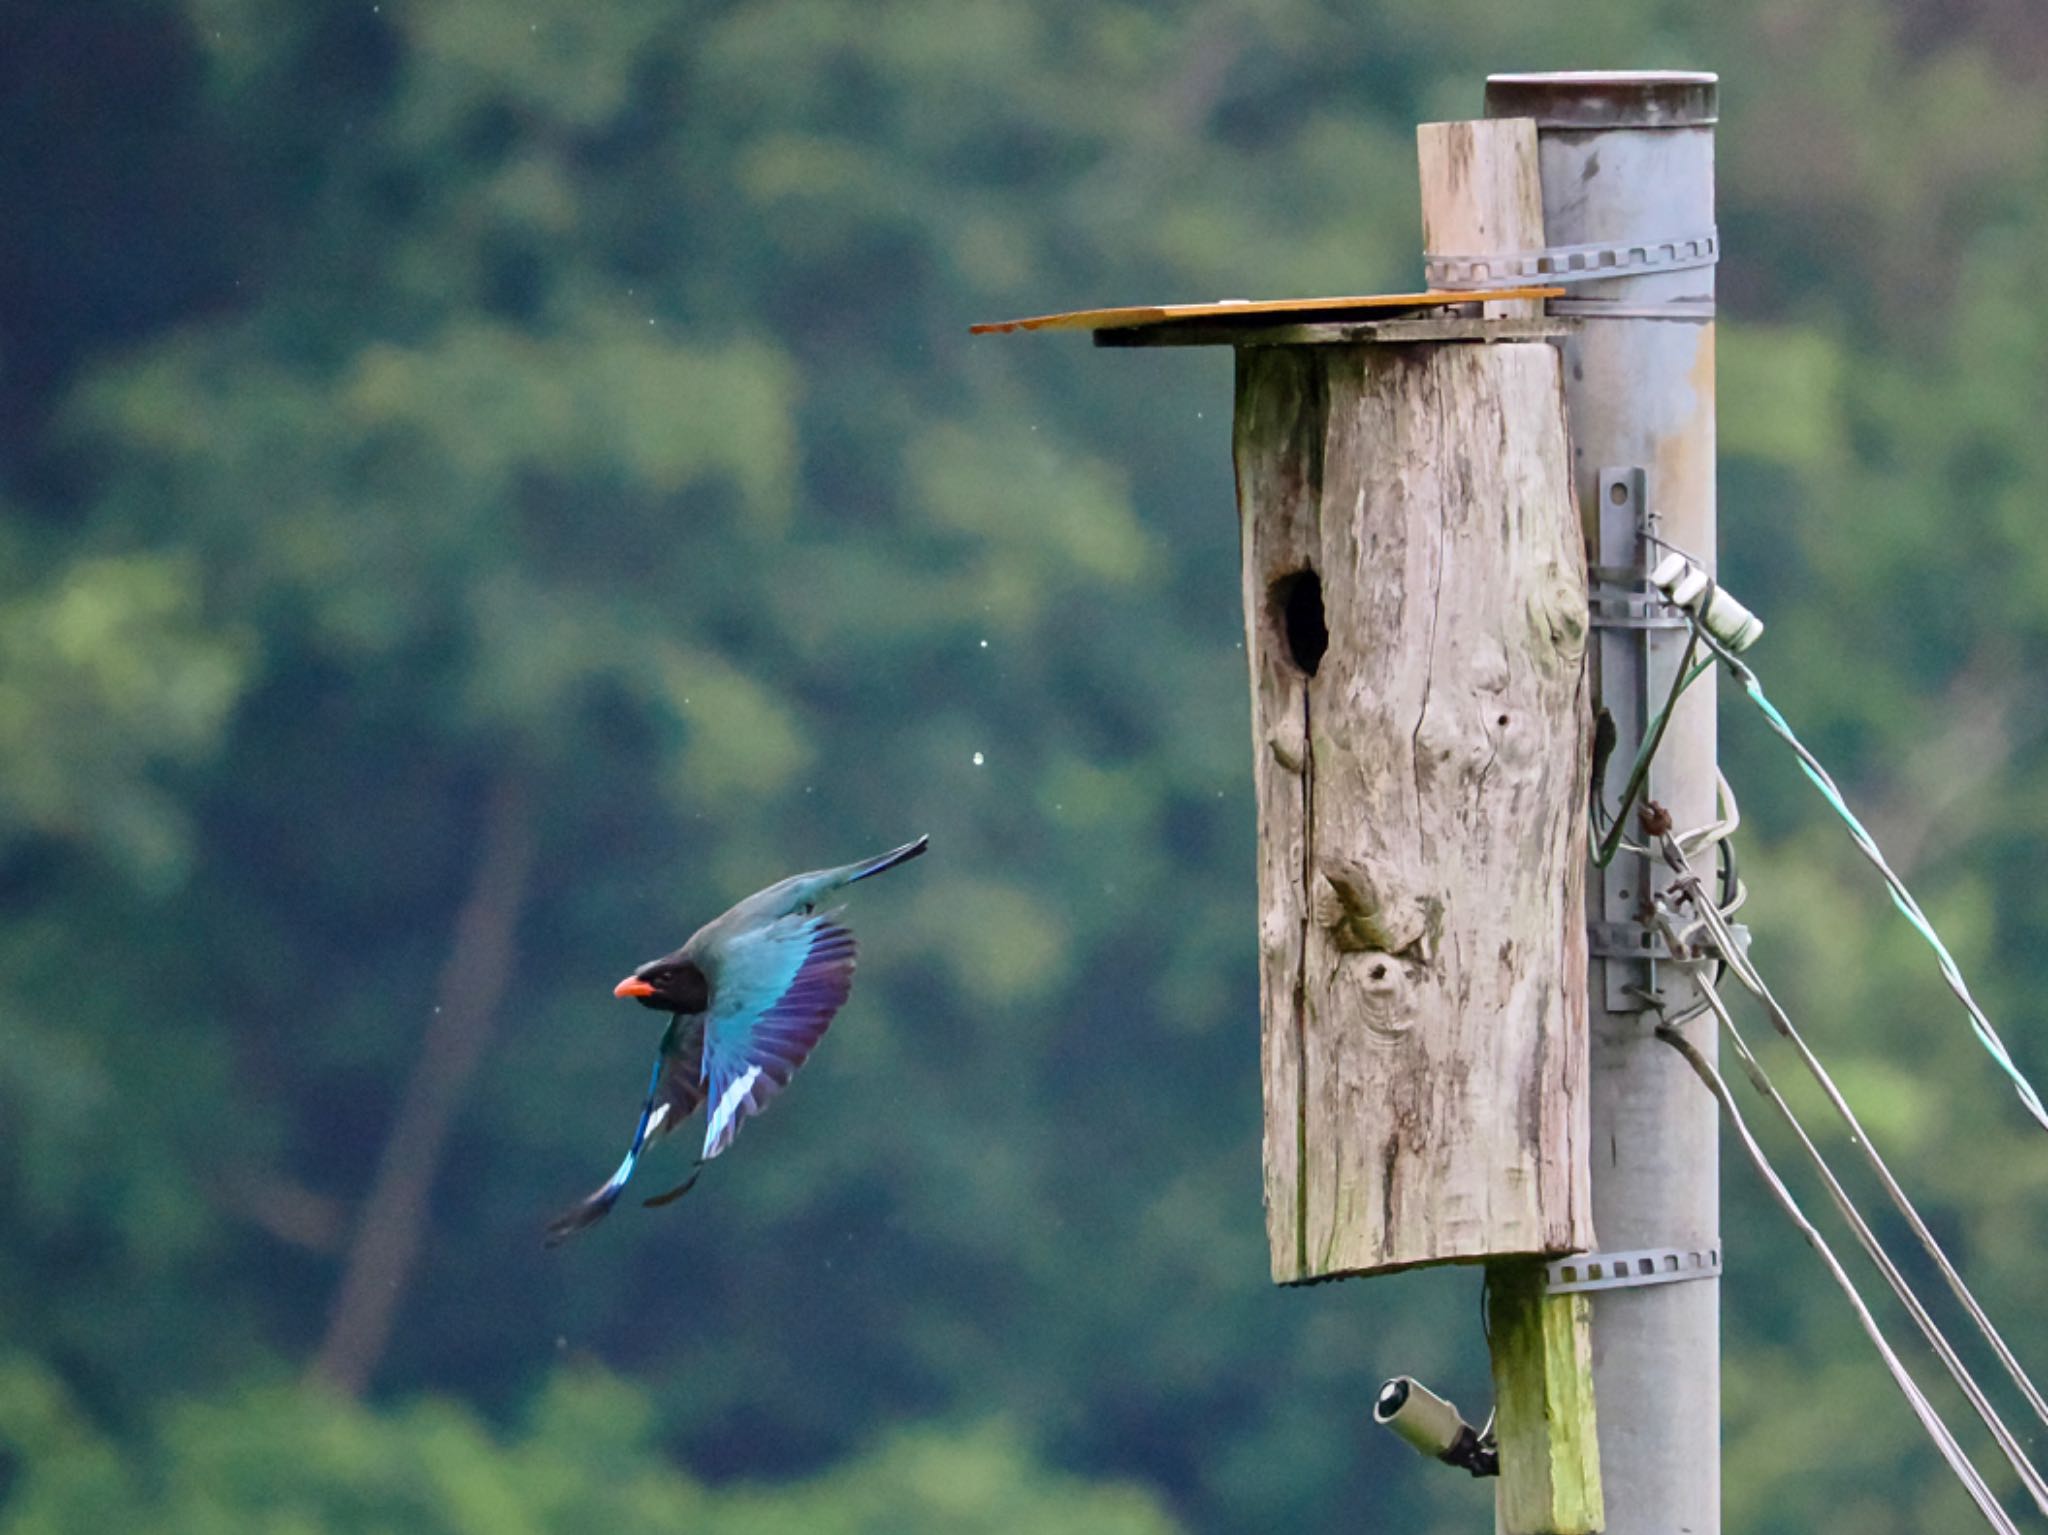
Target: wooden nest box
(1416, 617)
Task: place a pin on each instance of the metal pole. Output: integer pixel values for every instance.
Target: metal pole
(1627, 163)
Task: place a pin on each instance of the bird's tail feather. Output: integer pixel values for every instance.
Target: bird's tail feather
(888, 860)
(583, 1216)
(599, 1204)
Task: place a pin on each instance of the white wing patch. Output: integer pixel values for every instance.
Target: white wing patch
(728, 1105)
(618, 1179)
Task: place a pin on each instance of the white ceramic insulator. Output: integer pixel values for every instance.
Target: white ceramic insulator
(1731, 623)
(1668, 570)
(1684, 585)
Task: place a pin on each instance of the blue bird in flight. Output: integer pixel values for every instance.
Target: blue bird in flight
(749, 997)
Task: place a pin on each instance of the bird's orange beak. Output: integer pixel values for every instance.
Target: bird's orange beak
(632, 986)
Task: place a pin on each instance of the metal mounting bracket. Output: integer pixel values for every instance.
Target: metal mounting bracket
(1620, 1271)
(1631, 623)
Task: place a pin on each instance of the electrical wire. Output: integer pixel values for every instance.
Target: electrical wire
(1944, 1440)
(1722, 938)
(1727, 954)
(1653, 736)
(2008, 1443)
(1902, 898)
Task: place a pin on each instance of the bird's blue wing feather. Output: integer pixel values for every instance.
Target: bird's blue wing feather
(778, 989)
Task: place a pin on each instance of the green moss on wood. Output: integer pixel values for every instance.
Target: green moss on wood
(1543, 1403)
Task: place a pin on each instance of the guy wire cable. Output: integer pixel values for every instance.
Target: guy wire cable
(1944, 1441)
(1716, 920)
(1746, 972)
(2007, 1442)
(1867, 845)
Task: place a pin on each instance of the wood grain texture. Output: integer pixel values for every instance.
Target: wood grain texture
(1420, 804)
(1481, 195)
(1282, 414)
(1543, 1405)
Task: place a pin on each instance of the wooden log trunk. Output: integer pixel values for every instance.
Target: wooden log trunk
(1415, 606)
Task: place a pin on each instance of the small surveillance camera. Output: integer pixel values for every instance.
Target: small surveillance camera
(1434, 1427)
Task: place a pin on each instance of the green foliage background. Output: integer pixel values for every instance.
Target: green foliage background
(403, 398)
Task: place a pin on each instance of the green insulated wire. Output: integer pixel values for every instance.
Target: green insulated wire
(1639, 771)
(1901, 896)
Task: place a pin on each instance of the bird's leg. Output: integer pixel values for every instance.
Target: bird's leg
(696, 1172)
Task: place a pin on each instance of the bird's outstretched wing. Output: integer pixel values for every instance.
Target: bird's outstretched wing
(778, 988)
(673, 1093)
(682, 1076)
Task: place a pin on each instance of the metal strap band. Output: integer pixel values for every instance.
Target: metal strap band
(1621, 1271)
(1625, 940)
(1694, 311)
(1632, 940)
(1638, 613)
(1630, 605)
(1573, 263)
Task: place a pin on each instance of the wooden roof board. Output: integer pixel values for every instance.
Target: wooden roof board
(1275, 309)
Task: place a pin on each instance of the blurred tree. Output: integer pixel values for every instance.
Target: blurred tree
(404, 401)
(585, 1457)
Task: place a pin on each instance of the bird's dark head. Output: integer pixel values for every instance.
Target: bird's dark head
(668, 985)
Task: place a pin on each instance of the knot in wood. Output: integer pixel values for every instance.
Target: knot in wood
(1285, 752)
(1367, 908)
(1387, 997)
(1558, 614)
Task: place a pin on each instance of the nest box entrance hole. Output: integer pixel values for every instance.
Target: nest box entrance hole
(1297, 606)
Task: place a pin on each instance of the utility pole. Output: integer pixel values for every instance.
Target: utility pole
(1627, 164)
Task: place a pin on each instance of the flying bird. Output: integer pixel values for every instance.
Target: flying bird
(749, 997)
